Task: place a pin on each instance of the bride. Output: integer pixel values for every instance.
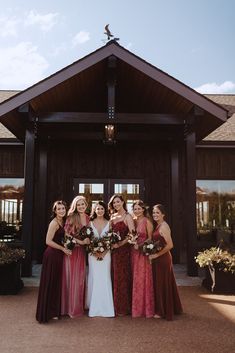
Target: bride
(99, 292)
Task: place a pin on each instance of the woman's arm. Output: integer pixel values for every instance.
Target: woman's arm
(53, 227)
(166, 234)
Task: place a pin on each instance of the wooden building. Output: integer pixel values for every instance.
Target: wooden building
(112, 123)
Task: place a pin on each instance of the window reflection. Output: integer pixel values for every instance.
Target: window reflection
(130, 193)
(11, 206)
(93, 192)
(215, 205)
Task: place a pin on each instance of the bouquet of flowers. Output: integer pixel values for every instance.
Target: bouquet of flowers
(69, 241)
(150, 247)
(114, 237)
(85, 232)
(99, 245)
(132, 237)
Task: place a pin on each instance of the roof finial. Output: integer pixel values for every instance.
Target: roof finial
(109, 34)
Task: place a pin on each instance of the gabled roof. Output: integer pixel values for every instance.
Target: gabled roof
(226, 132)
(82, 86)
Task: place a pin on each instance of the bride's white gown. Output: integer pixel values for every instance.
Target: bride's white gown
(99, 291)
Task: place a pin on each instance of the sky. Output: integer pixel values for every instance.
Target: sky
(191, 40)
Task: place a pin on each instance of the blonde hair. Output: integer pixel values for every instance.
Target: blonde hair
(73, 215)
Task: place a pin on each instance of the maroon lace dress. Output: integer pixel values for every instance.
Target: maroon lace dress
(167, 300)
(142, 291)
(49, 295)
(121, 272)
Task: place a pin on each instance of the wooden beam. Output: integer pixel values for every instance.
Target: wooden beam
(190, 204)
(28, 201)
(40, 203)
(111, 82)
(77, 134)
(175, 202)
(120, 118)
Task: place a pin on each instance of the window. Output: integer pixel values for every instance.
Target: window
(215, 205)
(11, 205)
(102, 189)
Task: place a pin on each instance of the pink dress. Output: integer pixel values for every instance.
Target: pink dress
(73, 279)
(121, 273)
(167, 300)
(142, 290)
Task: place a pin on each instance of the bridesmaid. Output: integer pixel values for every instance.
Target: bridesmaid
(167, 301)
(74, 266)
(49, 296)
(99, 294)
(142, 290)
(122, 222)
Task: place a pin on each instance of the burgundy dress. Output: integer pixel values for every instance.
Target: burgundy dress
(121, 272)
(167, 300)
(49, 296)
(142, 291)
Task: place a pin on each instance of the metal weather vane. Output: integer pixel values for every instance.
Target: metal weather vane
(109, 35)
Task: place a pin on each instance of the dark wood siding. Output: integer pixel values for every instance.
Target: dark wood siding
(216, 163)
(66, 161)
(11, 161)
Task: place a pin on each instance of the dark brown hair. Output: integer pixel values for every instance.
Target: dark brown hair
(106, 214)
(142, 205)
(161, 208)
(110, 204)
(55, 204)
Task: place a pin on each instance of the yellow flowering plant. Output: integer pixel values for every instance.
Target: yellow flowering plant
(216, 258)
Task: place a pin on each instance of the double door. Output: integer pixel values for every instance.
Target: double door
(102, 189)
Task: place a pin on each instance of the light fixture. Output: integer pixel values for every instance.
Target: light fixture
(109, 133)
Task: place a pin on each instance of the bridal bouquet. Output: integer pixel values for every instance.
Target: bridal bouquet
(150, 247)
(132, 237)
(99, 245)
(69, 241)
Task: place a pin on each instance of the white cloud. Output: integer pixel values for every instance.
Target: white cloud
(21, 66)
(80, 38)
(8, 26)
(223, 88)
(45, 22)
(129, 46)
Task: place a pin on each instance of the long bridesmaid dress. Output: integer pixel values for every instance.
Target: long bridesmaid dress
(167, 300)
(73, 279)
(121, 273)
(49, 295)
(142, 291)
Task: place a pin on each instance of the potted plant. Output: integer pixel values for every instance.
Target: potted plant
(10, 261)
(220, 269)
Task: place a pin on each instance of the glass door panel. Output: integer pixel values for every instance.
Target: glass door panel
(131, 190)
(92, 190)
(102, 189)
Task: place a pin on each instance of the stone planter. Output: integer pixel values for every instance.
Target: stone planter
(10, 281)
(224, 282)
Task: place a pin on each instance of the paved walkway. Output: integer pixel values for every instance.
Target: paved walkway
(180, 273)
